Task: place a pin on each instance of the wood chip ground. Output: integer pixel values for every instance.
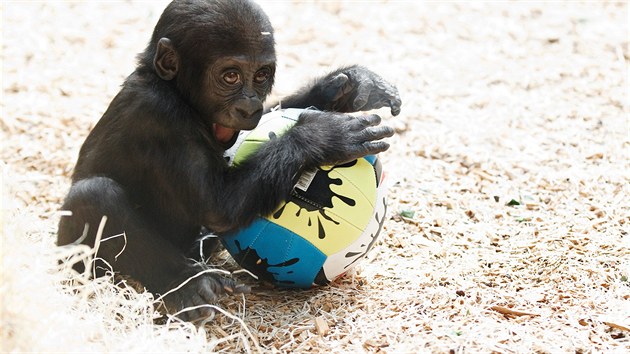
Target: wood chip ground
(508, 208)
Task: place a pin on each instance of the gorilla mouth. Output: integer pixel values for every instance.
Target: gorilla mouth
(224, 135)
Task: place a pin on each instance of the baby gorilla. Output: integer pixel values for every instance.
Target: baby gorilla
(154, 162)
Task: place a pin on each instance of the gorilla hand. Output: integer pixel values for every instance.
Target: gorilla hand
(189, 297)
(334, 138)
(356, 88)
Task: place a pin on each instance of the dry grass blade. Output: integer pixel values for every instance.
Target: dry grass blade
(196, 275)
(226, 314)
(616, 326)
(509, 312)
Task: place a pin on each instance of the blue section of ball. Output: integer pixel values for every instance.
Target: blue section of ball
(275, 254)
(371, 159)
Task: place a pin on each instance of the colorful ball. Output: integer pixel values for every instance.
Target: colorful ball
(329, 222)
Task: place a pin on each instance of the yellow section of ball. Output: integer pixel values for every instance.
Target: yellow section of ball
(333, 229)
(353, 194)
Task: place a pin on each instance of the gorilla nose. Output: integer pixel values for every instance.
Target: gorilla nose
(248, 108)
(244, 113)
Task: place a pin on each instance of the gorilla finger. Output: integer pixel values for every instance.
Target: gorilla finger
(209, 289)
(189, 314)
(394, 103)
(363, 94)
(374, 147)
(232, 287)
(379, 132)
(395, 108)
(198, 315)
(338, 86)
(204, 312)
(339, 80)
(376, 102)
(388, 96)
(242, 289)
(369, 120)
(380, 98)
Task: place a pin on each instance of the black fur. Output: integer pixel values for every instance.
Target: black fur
(154, 162)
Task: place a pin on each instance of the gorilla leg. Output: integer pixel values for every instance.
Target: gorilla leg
(89, 200)
(143, 253)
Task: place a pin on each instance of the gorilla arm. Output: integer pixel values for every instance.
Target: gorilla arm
(348, 89)
(257, 186)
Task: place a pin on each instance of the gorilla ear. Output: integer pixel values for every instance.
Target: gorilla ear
(166, 61)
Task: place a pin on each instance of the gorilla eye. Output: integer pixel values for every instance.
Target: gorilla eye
(231, 77)
(262, 76)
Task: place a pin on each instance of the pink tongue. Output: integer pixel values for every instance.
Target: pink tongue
(223, 134)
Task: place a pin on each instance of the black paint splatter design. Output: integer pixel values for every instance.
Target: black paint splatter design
(249, 259)
(318, 196)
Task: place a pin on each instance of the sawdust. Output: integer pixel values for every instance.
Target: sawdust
(511, 166)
